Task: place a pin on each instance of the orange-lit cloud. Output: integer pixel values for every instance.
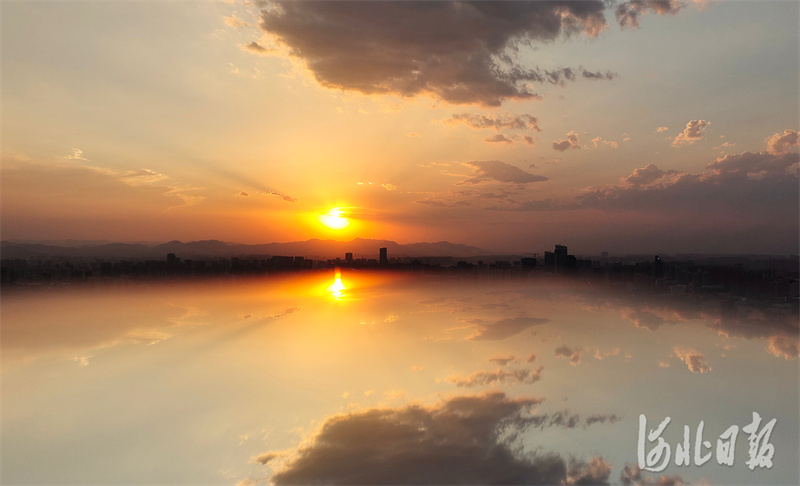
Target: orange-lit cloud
(488, 378)
(573, 355)
(570, 142)
(694, 360)
(628, 13)
(694, 131)
(780, 143)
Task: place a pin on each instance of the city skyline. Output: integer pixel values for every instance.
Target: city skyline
(642, 127)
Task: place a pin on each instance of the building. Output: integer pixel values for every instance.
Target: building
(561, 257)
(384, 260)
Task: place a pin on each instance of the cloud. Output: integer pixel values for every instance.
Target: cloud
(608, 143)
(267, 457)
(502, 360)
(486, 378)
(516, 122)
(662, 129)
(464, 440)
(459, 52)
(256, 48)
(83, 361)
(499, 138)
(531, 358)
(598, 75)
(785, 346)
(497, 171)
(694, 131)
(282, 196)
(628, 13)
(529, 140)
(77, 154)
(236, 22)
(779, 143)
(644, 319)
(243, 194)
(601, 419)
(631, 475)
(750, 185)
(570, 142)
(602, 355)
(141, 176)
(574, 355)
(693, 359)
(503, 328)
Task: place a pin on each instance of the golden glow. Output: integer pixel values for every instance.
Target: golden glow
(334, 220)
(337, 288)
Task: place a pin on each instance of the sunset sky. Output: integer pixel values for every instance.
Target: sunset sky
(640, 126)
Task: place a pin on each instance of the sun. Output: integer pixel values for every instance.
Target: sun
(334, 220)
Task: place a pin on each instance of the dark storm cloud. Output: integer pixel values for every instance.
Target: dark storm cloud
(464, 440)
(497, 171)
(628, 13)
(516, 122)
(570, 142)
(458, 51)
(497, 377)
(503, 328)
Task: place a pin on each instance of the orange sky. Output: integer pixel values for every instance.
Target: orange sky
(509, 127)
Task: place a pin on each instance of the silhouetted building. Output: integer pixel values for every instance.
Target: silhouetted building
(348, 257)
(549, 260)
(561, 257)
(658, 267)
(384, 257)
(527, 264)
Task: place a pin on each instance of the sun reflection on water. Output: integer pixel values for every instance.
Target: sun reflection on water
(337, 288)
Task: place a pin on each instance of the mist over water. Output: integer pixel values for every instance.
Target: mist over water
(376, 378)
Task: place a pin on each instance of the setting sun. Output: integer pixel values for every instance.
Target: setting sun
(334, 220)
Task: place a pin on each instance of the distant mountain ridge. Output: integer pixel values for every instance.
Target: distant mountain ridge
(314, 248)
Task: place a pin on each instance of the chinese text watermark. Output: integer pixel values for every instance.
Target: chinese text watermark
(760, 451)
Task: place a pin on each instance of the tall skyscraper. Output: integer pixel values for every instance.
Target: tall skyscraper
(384, 257)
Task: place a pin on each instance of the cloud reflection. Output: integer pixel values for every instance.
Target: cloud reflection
(463, 440)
